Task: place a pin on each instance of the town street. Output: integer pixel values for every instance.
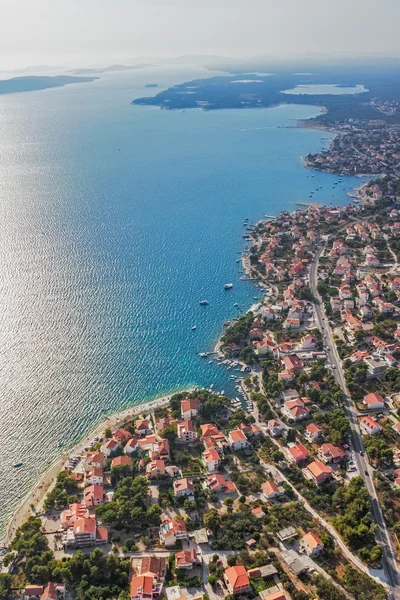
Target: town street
(383, 534)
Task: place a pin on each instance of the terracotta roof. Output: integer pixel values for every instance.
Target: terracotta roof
(183, 484)
(141, 585)
(118, 461)
(313, 428)
(299, 452)
(370, 422)
(318, 468)
(270, 487)
(237, 576)
(185, 556)
(93, 492)
(85, 525)
(154, 565)
(122, 434)
(211, 454)
(312, 540)
(188, 425)
(373, 398)
(49, 592)
(189, 404)
(237, 436)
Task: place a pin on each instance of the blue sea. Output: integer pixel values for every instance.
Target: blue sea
(115, 221)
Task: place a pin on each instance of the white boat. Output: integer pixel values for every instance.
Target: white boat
(194, 327)
(228, 286)
(203, 302)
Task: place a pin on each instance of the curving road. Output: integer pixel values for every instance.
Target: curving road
(382, 534)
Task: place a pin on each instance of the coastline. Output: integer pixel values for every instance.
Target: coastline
(38, 492)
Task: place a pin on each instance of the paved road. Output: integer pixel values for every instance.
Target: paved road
(383, 534)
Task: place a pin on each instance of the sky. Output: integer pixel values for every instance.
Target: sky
(99, 31)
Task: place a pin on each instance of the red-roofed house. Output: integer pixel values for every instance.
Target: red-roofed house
(95, 476)
(329, 453)
(274, 428)
(293, 364)
(183, 487)
(95, 459)
(171, 531)
(298, 453)
(109, 447)
(122, 435)
(143, 588)
(370, 426)
(142, 426)
(237, 580)
(237, 440)
(311, 544)
(313, 432)
(189, 408)
(271, 490)
(317, 472)
(218, 483)
(212, 460)
(186, 432)
(155, 468)
(49, 592)
(187, 559)
(120, 461)
(131, 446)
(295, 410)
(94, 495)
(374, 401)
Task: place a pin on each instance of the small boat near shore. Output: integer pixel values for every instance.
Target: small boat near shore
(228, 286)
(194, 328)
(204, 302)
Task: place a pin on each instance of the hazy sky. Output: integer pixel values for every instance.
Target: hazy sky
(91, 30)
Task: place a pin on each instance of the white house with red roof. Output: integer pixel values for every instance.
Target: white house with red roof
(374, 401)
(237, 440)
(295, 410)
(122, 435)
(237, 580)
(218, 483)
(186, 432)
(189, 408)
(95, 476)
(183, 487)
(187, 559)
(172, 530)
(270, 490)
(370, 426)
(131, 446)
(297, 453)
(94, 495)
(274, 428)
(109, 447)
(142, 427)
(94, 459)
(329, 453)
(311, 544)
(317, 472)
(155, 468)
(313, 432)
(212, 460)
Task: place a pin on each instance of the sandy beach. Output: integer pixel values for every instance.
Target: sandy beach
(37, 494)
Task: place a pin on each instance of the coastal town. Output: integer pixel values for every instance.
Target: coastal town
(360, 148)
(206, 497)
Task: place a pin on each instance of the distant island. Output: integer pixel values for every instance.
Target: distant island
(151, 85)
(33, 84)
(109, 69)
(257, 90)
